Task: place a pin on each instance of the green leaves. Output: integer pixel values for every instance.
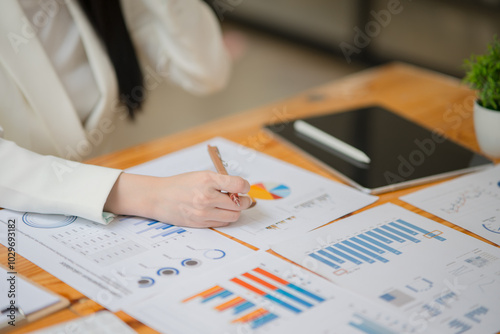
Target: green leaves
(483, 75)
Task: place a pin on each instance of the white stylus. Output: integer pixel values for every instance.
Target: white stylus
(324, 138)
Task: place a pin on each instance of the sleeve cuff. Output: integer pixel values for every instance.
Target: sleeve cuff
(107, 217)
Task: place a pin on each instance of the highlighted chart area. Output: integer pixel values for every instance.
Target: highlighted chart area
(377, 244)
(243, 310)
(263, 294)
(151, 230)
(269, 191)
(263, 287)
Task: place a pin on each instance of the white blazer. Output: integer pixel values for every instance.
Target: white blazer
(178, 39)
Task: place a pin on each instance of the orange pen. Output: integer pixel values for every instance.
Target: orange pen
(214, 153)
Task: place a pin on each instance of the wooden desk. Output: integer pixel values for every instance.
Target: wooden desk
(433, 100)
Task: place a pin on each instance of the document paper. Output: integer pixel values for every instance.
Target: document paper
(290, 200)
(123, 262)
(438, 277)
(264, 294)
(471, 201)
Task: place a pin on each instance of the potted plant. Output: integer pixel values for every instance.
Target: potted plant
(483, 75)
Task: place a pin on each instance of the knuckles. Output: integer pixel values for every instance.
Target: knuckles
(241, 184)
(203, 198)
(233, 215)
(206, 178)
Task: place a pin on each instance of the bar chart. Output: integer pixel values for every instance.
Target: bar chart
(376, 245)
(263, 294)
(244, 311)
(262, 287)
(151, 230)
(278, 290)
(408, 263)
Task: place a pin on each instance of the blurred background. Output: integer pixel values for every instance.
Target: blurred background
(283, 47)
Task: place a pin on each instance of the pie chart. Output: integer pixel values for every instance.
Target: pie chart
(269, 191)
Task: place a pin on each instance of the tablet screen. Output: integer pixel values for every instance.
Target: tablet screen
(401, 152)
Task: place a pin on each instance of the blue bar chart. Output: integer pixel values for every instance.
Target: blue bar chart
(376, 245)
(150, 229)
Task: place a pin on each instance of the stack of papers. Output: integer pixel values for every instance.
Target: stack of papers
(385, 270)
(439, 278)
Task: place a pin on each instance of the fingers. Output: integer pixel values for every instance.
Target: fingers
(232, 184)
(200, 199)
(228, 184)
(225, 210)
(225, 216)
(214, 217)
(245, 202)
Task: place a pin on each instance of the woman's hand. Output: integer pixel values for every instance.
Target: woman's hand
(191, 199)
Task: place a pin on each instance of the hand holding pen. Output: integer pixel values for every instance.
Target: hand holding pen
(193, 199)
(214, 153)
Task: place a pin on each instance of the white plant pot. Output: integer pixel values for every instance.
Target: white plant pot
(487, 127)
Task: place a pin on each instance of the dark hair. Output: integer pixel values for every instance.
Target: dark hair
(106, 17)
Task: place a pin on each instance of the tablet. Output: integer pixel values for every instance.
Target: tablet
(401, 153)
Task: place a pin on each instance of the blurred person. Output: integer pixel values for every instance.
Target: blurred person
(68, 70)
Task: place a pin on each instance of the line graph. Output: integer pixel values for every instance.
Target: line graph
(461, 202)
(471, 201)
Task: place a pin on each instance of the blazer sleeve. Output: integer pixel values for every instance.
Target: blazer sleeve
(182, 41)
(46, 184)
